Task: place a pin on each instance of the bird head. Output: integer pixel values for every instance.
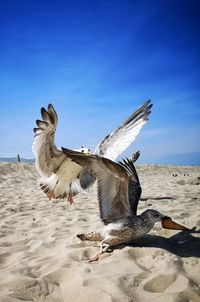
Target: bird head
(155, 216)
(84, 150)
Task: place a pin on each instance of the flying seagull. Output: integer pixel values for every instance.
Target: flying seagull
(118, 209)
(60, 177)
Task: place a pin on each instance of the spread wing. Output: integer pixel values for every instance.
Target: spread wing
(57, 171)
(112, 181)
(48, 156)
(116, 142)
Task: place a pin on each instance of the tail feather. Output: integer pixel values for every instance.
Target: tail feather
(54, 187)
(48, 184)
(76, 187)
(91, 236)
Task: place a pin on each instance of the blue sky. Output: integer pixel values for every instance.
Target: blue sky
(96, 62)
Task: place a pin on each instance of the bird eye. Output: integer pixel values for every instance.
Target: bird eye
(156, 215)
(82, 151)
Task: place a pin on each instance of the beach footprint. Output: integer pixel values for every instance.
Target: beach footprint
(160, 283)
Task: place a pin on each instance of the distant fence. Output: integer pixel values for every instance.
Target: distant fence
(17, 159)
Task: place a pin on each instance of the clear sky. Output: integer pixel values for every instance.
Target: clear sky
(96, 62)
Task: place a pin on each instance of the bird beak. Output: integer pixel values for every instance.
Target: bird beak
(166, 218)
(168, 223)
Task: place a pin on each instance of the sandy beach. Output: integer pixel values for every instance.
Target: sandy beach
(41, 259)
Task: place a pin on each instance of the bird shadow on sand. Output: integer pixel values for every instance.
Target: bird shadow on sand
(182, 244)
(156, 198)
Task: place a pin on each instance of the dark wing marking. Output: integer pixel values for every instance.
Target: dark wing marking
(48, 156)
(135, 156)
(112, 182)
(116, 142)
(134, 188)
(86, 178)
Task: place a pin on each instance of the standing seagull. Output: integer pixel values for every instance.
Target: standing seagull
(60, 177)
(118, 208)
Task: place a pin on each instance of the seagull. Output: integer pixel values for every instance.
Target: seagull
(118, 208)
(62, 178)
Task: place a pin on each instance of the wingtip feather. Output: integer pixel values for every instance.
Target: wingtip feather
(41, 124)
(53, 114)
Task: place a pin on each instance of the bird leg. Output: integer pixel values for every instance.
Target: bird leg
(50, 196)
(70, 196)
(101, 251)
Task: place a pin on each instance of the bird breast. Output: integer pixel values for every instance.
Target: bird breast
(127, 232)
(68, 171)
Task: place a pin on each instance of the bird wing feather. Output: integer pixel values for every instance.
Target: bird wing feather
(48, 156)
(112, 183)
(116, 142)
(134, 188)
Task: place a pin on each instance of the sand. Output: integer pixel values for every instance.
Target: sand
(41, 259)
